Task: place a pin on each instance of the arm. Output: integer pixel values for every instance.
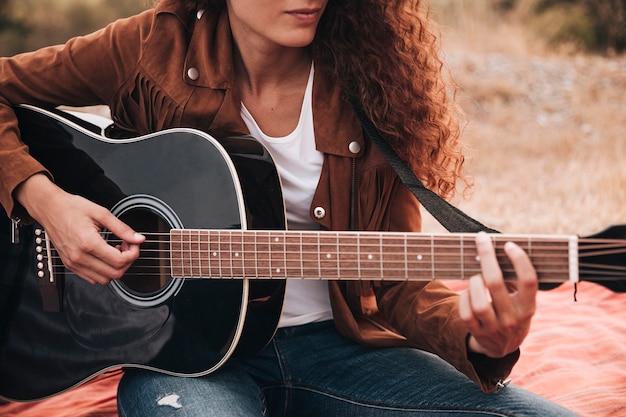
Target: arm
(87, 70)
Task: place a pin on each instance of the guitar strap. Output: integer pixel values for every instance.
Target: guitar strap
(449, 216)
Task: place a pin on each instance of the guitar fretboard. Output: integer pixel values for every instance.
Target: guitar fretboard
(357, 255)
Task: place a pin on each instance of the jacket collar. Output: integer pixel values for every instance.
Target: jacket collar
(213, 59)
(337, 128)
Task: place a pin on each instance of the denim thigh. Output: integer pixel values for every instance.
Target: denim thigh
(313, 371)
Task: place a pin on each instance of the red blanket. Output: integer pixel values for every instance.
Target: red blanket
(575, 355)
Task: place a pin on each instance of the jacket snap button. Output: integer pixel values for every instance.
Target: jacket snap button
(319, 212)
(354, 147)
(199, 14)
(193, 74)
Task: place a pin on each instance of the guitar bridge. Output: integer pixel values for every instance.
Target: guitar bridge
(50, 287)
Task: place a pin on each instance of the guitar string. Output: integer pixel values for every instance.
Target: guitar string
(585, 246)
(599, 271)
(609, 246)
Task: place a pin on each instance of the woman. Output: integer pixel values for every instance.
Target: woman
(282, 71)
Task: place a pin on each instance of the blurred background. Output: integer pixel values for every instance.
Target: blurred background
(26, 25)
(541, 83)
(585, 25)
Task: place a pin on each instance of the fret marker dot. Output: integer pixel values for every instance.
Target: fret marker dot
(328, 256)
(420, 257)
(370, 257)
(236, 254)
(478, 259)
(214, 253)
(278, 270)
(276, 240)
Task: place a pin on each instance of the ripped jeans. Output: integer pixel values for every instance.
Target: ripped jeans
(313, 371)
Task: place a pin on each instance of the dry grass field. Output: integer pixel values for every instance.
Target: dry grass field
(545, 133)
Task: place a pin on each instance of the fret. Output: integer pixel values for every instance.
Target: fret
(186, 264)
(214, 254)
(551, 259)
(462, 257)
(236, 254)
(277, 255)
(226, 253)
(328, 255)
(176, 255)
(358, 259)
(393, 258)
(293, 251)
(503, 259)
(419, 258)
(348, 256)
(470, 261)
(370, 250)
(447, 258)
(249, 255)
(194, 253)
(263, 255)
(406, 255)
(310, 255)
(223, 239)
(338, 252)
(205, 261)
(188, 254)
(319, 265)
(433, 274)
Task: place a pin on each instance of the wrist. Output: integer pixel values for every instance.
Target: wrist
(35, 193)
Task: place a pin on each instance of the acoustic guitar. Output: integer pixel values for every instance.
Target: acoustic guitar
(210, 279)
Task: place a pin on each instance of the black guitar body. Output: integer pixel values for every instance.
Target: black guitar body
(172, 179)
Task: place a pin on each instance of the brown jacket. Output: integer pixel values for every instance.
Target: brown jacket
(166, 68)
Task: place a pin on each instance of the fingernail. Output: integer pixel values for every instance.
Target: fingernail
(510, 246)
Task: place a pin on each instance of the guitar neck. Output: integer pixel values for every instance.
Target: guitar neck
(357, 255)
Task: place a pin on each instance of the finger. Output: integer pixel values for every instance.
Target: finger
(111, 262)
(527, 283)
(472, 323)
(481, 303)
(465, 312)
(492, 274)
(121, 255)
(119, 228)
(97, 261)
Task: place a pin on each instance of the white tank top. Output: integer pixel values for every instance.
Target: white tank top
(299, 165)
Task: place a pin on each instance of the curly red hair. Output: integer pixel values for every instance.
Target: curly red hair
(386, 53)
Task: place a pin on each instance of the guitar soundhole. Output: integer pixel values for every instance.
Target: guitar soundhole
(150, 273)
(148, 282)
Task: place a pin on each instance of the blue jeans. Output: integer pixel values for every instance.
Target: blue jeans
(311, 370)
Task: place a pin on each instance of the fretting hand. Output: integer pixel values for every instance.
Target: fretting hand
(496, 313)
